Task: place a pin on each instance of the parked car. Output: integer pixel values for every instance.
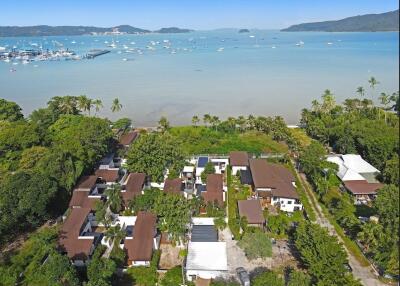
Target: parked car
(243, 276)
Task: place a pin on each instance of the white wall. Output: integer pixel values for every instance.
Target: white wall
(286, 204)
(235, 169)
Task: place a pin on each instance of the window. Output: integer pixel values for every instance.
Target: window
(289, 202)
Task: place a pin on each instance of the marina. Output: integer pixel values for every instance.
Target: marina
(214, 66)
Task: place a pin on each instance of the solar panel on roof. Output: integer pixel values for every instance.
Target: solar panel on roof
(204, 233)
(202, 161)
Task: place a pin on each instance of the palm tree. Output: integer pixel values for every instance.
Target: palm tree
(116, 105)
(215, 121)
(206, 119)
(68, 105)
(85, 103)
(163, 124)
(195, 120)
(372, 83)
(385, 100)
(328, 101)
(241, 120)
(251, 122)
(361, 91)
(114, 200)
(114, 234)
(315, 106)
(97, 105)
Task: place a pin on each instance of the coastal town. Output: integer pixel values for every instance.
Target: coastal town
(199, 143)
(161, 204)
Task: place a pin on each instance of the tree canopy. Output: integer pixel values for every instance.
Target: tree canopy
(10, 111)
(153, 154)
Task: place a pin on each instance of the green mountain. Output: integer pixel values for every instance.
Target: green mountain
(388, 21)
(44, 30)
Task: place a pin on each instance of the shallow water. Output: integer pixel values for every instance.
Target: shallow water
(247, 76)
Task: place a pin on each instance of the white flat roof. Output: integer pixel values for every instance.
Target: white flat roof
(203, 220)
(358, 164)
(207, 256)
(188, 169)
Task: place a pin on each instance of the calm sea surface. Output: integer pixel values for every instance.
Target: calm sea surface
(219, 72)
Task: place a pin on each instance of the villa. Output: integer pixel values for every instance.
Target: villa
(358, 177)
(76, 238)
(214, 190)
(134, 186)
(128, 138)
(252, 211)
(239, 161)
(274, 185)
(144, 240)
(173, 186)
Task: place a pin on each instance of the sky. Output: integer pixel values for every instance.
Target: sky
(193, 14)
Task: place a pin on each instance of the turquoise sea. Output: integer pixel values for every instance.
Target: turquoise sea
(219, 72)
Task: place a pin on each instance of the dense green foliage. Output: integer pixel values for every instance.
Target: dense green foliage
(42, 158)
(208, 169)
(153, 154)
(173, 277)
(203, 140)
(10, 111)
(24, 201)
(256, 245)
(323, 256)
(38, 263)
(146, 276)
(381, 240)
(358, 127)
(100, 270)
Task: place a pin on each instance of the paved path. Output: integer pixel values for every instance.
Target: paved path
(364, 273)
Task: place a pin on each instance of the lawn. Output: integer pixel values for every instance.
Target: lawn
(203, 140)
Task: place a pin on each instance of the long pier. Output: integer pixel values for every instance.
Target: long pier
(95, 53)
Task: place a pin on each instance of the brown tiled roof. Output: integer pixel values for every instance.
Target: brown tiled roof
(133, 187)
(251, 209)
(214, 189)
(238, 158)
(86, 182)
(173, 186)
(273, 176)
(128, 138)
(362, 187)
(140, 247)
(68, 240)
(81, 199)
(110, 176)
(214, 183)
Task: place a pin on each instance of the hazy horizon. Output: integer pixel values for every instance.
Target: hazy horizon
(196, 15)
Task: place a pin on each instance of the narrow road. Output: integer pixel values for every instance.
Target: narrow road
(364, 273)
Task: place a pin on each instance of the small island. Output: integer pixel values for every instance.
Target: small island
(244, 31)
(173, 30)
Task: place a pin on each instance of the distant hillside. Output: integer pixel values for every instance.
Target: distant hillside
(44, 30)
(366, 23)
(244, 31)
(171, 30)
